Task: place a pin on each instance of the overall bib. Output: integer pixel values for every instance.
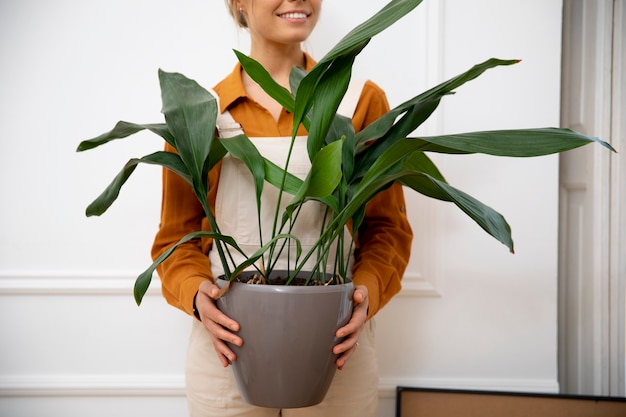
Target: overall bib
(211, 389)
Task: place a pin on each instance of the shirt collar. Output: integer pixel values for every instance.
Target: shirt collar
(231, 88)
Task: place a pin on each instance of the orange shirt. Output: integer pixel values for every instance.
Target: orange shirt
(383, 240)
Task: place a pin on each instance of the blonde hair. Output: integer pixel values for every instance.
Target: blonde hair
(237, 15)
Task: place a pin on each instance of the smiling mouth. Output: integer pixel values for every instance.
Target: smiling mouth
(294, 16)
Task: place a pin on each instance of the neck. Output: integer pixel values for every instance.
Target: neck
(278, 60)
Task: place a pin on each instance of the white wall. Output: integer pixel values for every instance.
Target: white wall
(73, 342)
(490, 320)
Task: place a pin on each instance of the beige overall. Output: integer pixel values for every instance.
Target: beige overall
(211, 389)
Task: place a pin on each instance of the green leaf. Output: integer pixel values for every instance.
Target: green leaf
(368, 152)
(515, 143)
(419, 162)
(216, 154)
(295, 78)
(260, 75)
(124, 129)
(274, 175)
(269, 245)
(388, 169)
(388, 15)
(343, 129)
(365, 191)
(372, 141)
(327, 95)
(142, 283)
(190, 113)
(357, 219)
(420, 107)
(390, 159)
(345, 51)
(487, 218)
(322, 179)
(109, 195)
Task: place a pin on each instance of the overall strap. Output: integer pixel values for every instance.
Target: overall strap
(225, 124)
(347, 107)
(228, 127)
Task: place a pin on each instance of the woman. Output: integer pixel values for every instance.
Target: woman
(277, 28)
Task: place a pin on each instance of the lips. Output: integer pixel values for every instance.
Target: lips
(294, 15)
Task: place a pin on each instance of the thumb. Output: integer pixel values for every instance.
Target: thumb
(359, 295)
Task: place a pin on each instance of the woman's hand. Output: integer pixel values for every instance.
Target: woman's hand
(352, 330)
(219, 326)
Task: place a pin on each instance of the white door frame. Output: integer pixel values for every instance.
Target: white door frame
(592, 218)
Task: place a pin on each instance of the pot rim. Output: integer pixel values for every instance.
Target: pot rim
(311, 289)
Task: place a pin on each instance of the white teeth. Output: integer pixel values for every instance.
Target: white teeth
(293, 16)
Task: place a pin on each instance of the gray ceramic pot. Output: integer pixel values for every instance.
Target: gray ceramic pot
(288, 333)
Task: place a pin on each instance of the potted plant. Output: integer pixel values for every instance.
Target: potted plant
(347, 170)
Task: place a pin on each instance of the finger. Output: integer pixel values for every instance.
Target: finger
(210, 289)
(356, 323)
(216, 292)
(347, 344)
(224, 354)
(352, 330)
(218, 325)
(353, 326)
(207, 308)
(220, 336)
(216, 316)
(359, 296)
(217, 331)
(343, 358)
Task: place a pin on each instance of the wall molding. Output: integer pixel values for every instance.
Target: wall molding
(173, 385)
(433, 22)
(122, 283)
(425, 281)
(591, 305)
(72, 283)
(415, 284)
